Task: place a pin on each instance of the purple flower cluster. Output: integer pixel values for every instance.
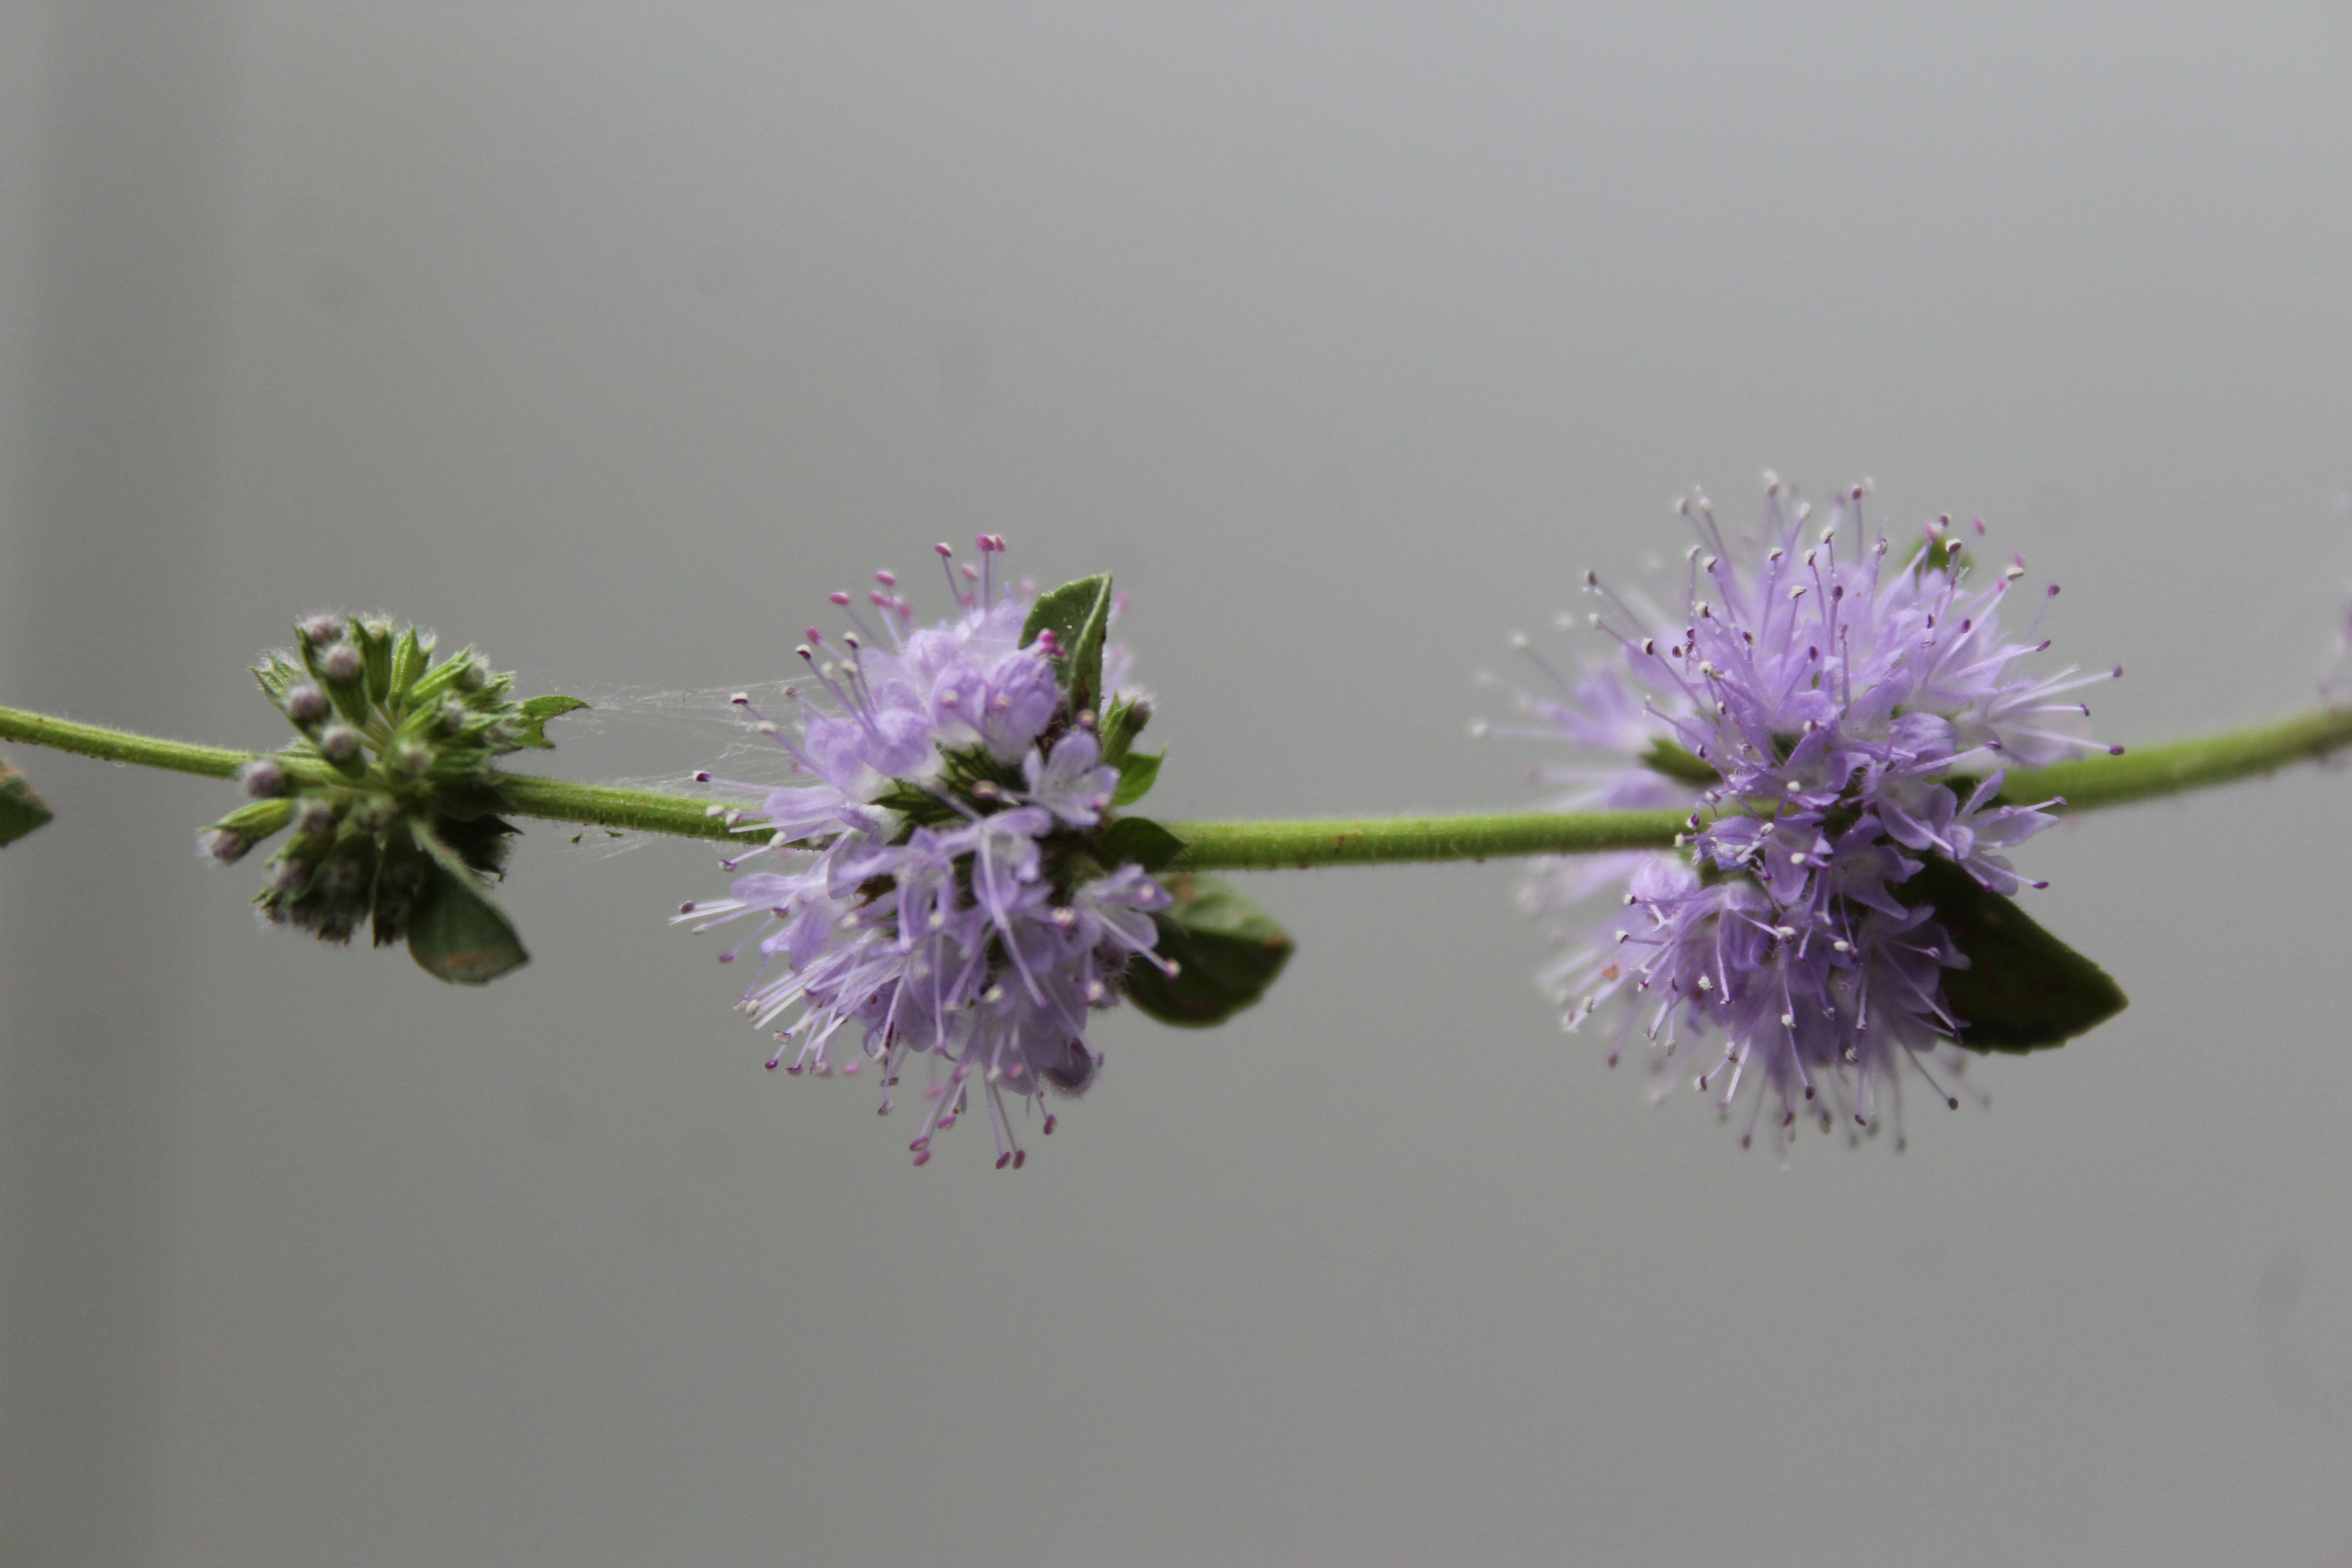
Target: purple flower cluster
(937, 887)
(1831, 715)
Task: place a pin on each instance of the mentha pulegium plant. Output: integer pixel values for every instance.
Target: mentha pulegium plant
(1840, 719)
(1826, 753)
(947, 883)
(388, 792)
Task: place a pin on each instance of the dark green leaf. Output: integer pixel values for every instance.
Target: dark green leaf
(21, 809)
(403, 876)
(454, 932)
(1077, 614)
(1137, 841)
(1226, 950)
(2023, 990)
(481, 842)
(536, 711)
(1137, 771)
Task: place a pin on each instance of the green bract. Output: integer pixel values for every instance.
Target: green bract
(1227, 950)
(2022, 989)
(21, 809)
(388, 793)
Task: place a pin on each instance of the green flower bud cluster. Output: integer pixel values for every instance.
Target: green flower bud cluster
(388, 796)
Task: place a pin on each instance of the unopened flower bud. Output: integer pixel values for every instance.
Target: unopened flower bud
(262, 778)
(410, 759)
(324, 627)
(315, 815)
(475, 676)
(306, 704)
(225, 845)
(288, 876)
(344, 664)
(340, 743)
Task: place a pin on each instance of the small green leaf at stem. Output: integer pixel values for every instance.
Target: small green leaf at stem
(1137, 841)
(2024, 989)
(1077, 614)
(536, 711)
(1226, 951)
(21, 808)
(1138, 771)
(454, 932)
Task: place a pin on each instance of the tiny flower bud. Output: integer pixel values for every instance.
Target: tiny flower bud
(343, 664)
(340, 743)
(262, 778)
(316, 814)
(225, 845)
(306, 704)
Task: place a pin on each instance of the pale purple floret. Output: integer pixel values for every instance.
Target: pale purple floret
(965, 939)
(1849, 714)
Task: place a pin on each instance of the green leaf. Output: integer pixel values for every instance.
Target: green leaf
(454, 932)
(405, 875)
(2023, 990)
(536, 711)
(1077, 614)
(1121, 724)
(1138, 841)
(481, 841)
(1226, 951)
(21, 809)
(1138, 771)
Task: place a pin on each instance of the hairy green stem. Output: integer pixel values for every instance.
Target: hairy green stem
(2084, 785)
(118, 745)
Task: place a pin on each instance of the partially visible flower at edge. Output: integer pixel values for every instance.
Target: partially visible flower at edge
(941, 892)
(1830, 716)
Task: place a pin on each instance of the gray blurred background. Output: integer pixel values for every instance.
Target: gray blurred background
(613, 337)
